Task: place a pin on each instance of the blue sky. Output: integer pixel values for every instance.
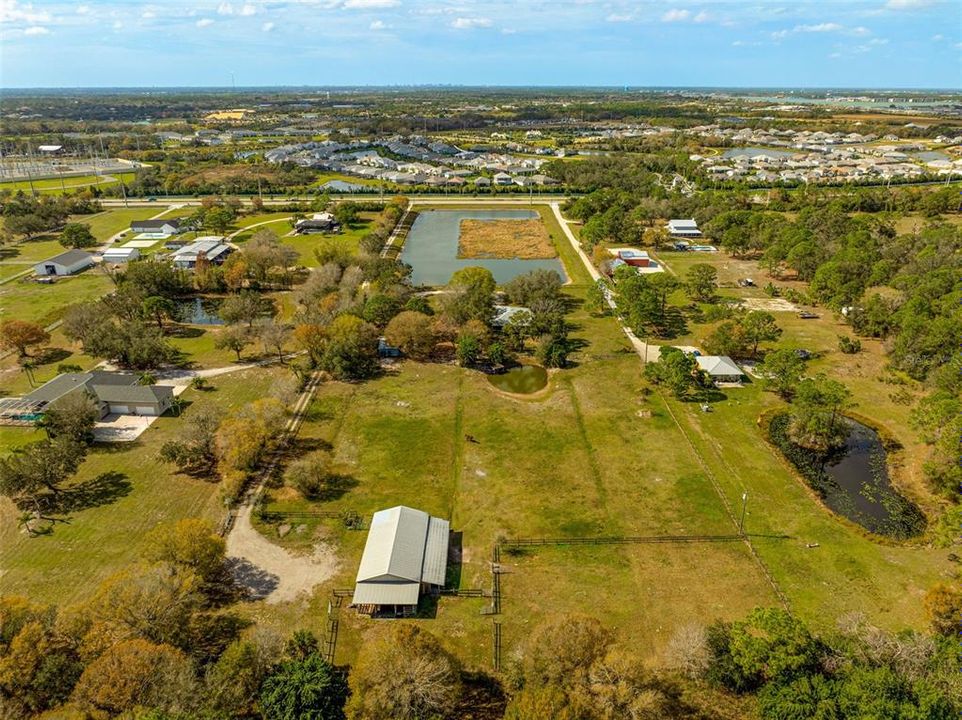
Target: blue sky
(792, 43)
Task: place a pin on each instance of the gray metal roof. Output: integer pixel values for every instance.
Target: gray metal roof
(144, 394)
(172, 222)
(404, 548)
(70, 257)
(95, 382)
(718, 365)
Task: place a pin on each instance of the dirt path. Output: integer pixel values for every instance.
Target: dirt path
(258, 224)
(647, 353)
(270, 572)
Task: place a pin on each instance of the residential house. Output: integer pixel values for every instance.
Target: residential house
(117, 393)
(683, 228)
(213, 248)
(720, 368)
(171, 226)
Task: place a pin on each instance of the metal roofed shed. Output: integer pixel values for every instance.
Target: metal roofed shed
(406, 553)
(720, 368)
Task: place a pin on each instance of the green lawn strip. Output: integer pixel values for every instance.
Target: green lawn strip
(68, 564)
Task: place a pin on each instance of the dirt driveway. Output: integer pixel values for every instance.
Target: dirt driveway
(270, 572)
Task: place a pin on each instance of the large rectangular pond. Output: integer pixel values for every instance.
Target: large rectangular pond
(431, 248)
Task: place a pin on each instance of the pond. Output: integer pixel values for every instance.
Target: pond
(522, 380)
(199, 311)
(853, 480)
(431, 248)
(755, 152)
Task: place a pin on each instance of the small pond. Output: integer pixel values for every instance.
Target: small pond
(199, 311)
(522, 380)
(853, 480)
(755, 152)
(431, 247)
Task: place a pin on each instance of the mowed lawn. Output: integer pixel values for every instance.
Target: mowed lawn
(70, 183)
(136, 492)
(45, 304)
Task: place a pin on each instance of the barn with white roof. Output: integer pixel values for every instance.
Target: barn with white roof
(406, 554)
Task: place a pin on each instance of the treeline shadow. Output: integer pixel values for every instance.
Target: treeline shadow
(100, 490)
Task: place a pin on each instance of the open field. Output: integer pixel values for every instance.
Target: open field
(45, 304)
(524, 239)
(70, 183)
(129, 492)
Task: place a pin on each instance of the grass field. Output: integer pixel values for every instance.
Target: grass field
(53, 185)
(504, 239)
(45, 304)
(131, 492)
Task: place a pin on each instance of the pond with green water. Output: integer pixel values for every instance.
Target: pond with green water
(522, 380)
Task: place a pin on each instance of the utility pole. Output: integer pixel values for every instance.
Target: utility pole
(741, 523)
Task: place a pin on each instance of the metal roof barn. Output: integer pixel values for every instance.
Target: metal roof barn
(405, 549)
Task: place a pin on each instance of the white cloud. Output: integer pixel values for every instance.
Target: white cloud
(118, 25)
(267, 27)
(378, 25)
(36, 30)
(675, 15)
(148, 14)
(12, 11)
(205, 22)
(225, 8)
(616, 18)
(861, 31)
(701, 17)
(907, 4)
(83, 9)
(463, 23)
(819, 28)
(938, 38)
(878, 41)
(779, 34)
(368, 4)
(248, 9)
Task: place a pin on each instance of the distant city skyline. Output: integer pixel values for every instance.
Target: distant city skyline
(884, 44)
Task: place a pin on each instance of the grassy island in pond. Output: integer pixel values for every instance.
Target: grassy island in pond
(523, 239)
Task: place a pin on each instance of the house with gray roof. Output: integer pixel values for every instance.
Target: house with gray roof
(115, 393)
(720, 368)
(406, 554)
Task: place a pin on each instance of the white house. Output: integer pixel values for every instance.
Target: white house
(502, 178)
(683, 228)
(157, 227)
(120, 255)
(720, 368)
(66, 263)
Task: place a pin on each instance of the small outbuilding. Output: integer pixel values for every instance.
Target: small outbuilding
(406, 554)
(720, 368)
(120, 255)
(66, 263)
